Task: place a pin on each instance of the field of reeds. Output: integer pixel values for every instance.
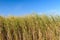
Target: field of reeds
(31, 27)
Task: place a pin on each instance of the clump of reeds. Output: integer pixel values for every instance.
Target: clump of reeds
(32, 27)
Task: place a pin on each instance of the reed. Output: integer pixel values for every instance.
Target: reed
(31, 27)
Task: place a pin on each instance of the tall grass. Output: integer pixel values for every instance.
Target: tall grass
(32, 27)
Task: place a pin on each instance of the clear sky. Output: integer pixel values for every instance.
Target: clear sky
(23, 7)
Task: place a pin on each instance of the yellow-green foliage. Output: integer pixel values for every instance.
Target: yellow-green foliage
(32, 27)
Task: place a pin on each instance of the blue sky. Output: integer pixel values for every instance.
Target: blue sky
(23, 7)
